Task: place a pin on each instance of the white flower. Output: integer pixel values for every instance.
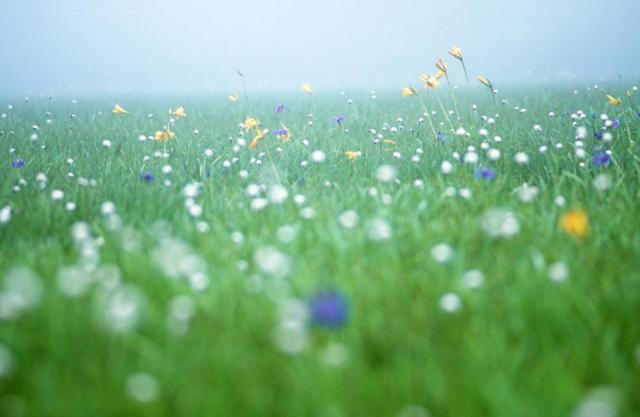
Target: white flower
(5, 214)
(142, 387)
(527, 193)
(461, 131)
(521, 158)
(558, 272)
(470, 158)
(258, 204)
(379, 230)
(318, 156)
(107, 208)
(57, 195)
(278, 194)
(386, 173)
(450, 302)
(348, 219)
(446, 167)
(602, 182)
(493, 154)
(441, 252)
(499, 223)
(272, 262)
(473, 278)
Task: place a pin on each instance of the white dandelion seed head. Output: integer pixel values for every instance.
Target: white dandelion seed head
(21, 291)
(500, 223)
(107, 208)
(598, 402)
(5, 215)
(450, 302)
(278, 194)
(259, 203)
(379, 230)
(442, 253)
(386, 173)
(142, 387)
(272, 262)
(527, 193)
(558, 272)
(318, 156)
(286, 233)
(348, 219)
(473, 278)
(446, 167)
(521, 158)
(57, 195)
(602, 182)
(470, 158)
(493, 154)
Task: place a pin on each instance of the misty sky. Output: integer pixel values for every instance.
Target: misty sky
(143, 46)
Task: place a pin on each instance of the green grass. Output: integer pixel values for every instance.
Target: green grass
(519, 345)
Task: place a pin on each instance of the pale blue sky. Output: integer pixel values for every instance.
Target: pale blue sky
(56, 46)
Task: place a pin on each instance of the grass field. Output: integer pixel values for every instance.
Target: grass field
(373, 259)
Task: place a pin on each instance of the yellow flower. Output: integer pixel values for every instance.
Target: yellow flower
(250, 123)
(390, 142)
(119, 110)
(442, 67)
(456, 52)
(353, 155)
(408, 91)
(163, 135)
(575, 222)
(613, 100)
(485, 81)
(440, 74)
(306, 87)
(179, 113)
(256, 137)
(429, 81)
(233, 98)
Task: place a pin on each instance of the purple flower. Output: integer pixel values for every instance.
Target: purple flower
(597, 134)
(280, 108)
(441, 137)
(329, 309)
(601, 158)
(280, 132)
(615, 123)
(147, 176)
(18, 163)
(339, 119)
(485, 173)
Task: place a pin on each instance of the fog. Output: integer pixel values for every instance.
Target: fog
(194, 46)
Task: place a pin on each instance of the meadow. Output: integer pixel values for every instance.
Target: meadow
(449, 252)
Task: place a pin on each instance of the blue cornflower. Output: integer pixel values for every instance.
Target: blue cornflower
(485, 173)
(615, 123)
(329, 309)
(601, 158)
(147, 176)
(280, 132)
(18, 163)
(597, 134)
(441, 137)
(339, 119)
(280, 108)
